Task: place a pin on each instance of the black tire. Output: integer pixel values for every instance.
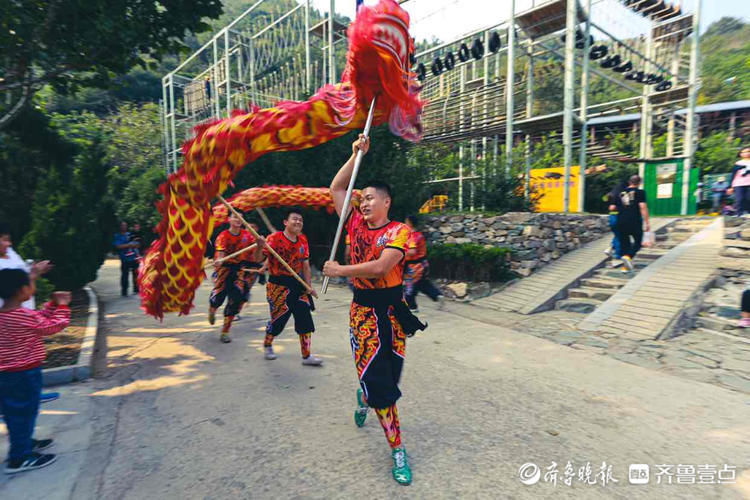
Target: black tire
(495, 42)
(463, 53)
(449, 61)
(477, 49)
(597, 52)
(437, 66)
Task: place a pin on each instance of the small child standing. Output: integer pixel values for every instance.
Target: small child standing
(21, 355)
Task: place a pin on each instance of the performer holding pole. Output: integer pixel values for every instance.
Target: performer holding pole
(262, 242)
(349, 190)
(285, 296)
(379, 319)
(231, 281)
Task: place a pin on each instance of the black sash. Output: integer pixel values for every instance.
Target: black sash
(382, 298)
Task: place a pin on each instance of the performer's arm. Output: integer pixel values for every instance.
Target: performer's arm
(217, 256)
(260, 244)
(372, 269)
(307, 276)
(412, 251)
(340, 183)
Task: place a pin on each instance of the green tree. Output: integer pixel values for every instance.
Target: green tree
(27, 151)
(72, 44)
(725, 66)
(72, 218)
(716, 153)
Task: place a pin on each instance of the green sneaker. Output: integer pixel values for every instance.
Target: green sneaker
(225, 338)
(401, 470)
(360, 414)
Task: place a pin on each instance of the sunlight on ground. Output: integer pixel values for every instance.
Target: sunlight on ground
(169, 330)
(183, 360)
(149, 385)
(57, 412)
(730, 435)
(743, 483)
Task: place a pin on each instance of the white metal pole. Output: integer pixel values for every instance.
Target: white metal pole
(307, 48)
(509, 85)
(647, 117)
(690, 132)
(529, 113)
(349, 190)
(227, 73)
(253, 98)
(164, 121)
(172, 122)
(584, 117)
(215, 81)
(331, 66)
(570, 26)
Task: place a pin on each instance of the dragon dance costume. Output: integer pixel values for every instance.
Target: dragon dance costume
(416, 271)
(379, 322)
(232, 280)
(286, 296)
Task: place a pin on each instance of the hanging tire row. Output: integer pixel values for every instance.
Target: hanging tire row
(620, 64)
(465, 53)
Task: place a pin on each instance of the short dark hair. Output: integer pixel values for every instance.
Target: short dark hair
(291, 211)
(379, 186)
(635, 179)
(11, 281)
(412, 219)
(4, 229)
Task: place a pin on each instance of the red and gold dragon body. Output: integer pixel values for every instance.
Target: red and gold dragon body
(377, 65)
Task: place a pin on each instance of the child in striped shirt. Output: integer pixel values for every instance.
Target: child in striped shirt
(21, 356)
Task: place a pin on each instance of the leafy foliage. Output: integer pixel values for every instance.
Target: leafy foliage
(725, 51)
(469, 261)
(71, 226)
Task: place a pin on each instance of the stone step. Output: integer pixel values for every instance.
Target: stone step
(668, 245)
(742, 334)
(651, 253)
(716, 323)
(737, 244)
(591, 293)
(595, 282)
(578, 305)
(613, 274)
(637, 264)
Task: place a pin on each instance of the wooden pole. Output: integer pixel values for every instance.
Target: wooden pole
(350, 189)
(264, 217)
(231, 256)
(270, 250)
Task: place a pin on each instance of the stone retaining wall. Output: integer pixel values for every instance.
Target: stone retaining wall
(535, 239)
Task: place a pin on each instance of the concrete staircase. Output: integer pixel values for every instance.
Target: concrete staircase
(605, 282)
(720, 309)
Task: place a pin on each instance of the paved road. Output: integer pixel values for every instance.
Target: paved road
(180, 415)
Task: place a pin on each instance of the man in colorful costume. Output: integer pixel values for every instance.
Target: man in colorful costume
(286, 296)
(379, 319)
(232, 280)
(417, 269)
